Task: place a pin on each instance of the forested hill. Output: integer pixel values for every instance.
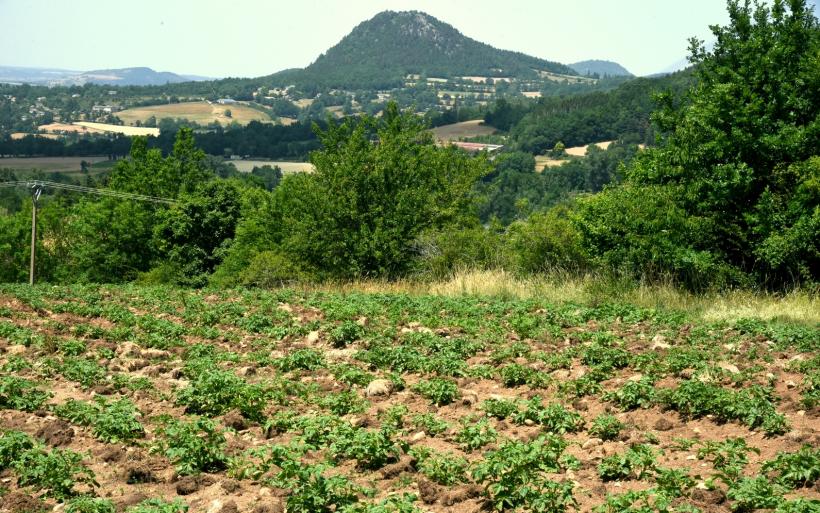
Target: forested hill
(380, 52)
(620, 114)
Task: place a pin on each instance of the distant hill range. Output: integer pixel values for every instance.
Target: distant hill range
(600, 68)
(122, 76)
(382, 51)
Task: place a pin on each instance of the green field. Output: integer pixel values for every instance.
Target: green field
(272, 400)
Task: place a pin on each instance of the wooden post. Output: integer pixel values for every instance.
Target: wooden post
(34, 197)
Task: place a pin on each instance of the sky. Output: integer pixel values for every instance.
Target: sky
(250, 38)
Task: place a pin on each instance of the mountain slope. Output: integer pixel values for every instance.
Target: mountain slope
(141, 76)
(602, 68)
(381, 51)
(132, 76)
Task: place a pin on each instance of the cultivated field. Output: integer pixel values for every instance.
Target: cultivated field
(580, 151)
(197, 112)
(47, 163)
(119, 129)
(58, 128)
(16, 136)
(246, 166)
(457, 131)
(326, 402)
(542, 162)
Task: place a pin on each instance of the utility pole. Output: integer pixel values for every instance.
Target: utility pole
(37, 186)
(35, 196)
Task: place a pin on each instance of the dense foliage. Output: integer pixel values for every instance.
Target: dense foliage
(726, 196)
(737, 173)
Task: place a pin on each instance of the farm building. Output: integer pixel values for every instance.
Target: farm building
(477, 147)
(108, 109)
(226, 101)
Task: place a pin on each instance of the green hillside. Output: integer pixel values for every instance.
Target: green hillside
(380, 52)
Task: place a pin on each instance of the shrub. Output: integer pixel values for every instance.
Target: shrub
(371, 449)
(553, 417)
(794, 470)
(55, 472)
(429, 423)
(514, 374)
(159, 506)
(753, 493)
(546, 241)
(444, 469)
(475, 435)
(753, 406)
(633, 394)
(313, 492)
(114, 421)
(499, 408)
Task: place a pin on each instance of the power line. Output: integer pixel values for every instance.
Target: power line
(37, 186)
(42, 184)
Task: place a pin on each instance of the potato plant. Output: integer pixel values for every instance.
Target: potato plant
(399, 403)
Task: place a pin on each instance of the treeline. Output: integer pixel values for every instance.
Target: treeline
(262, 140)
(620, 114)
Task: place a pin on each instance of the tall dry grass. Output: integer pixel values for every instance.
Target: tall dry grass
(796, 306)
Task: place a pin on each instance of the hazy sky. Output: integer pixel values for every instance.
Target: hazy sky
(255, 37)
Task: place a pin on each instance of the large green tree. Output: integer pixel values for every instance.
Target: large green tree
(734, 168)
(379, 184)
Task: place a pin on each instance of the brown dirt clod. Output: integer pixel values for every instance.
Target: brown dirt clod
(139, 473)
(663, 424)
(56, 433)
(19, 502)
(187, 485)
(428, 490)
(462, 494)
(269, 507)
(708, 496)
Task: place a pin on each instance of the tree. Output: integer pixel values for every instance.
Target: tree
(192, 236)
(379, 184)
(735, 153)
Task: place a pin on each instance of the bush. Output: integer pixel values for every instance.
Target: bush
(623, 232)
(115, 421)
(159, 506)
(20, 394)
(55, 472)
(546, 241)
(444, 252)
(269, 269)
(346, 333)
(606, 427)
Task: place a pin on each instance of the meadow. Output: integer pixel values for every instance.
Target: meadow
(465, 129)
(197, 112)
